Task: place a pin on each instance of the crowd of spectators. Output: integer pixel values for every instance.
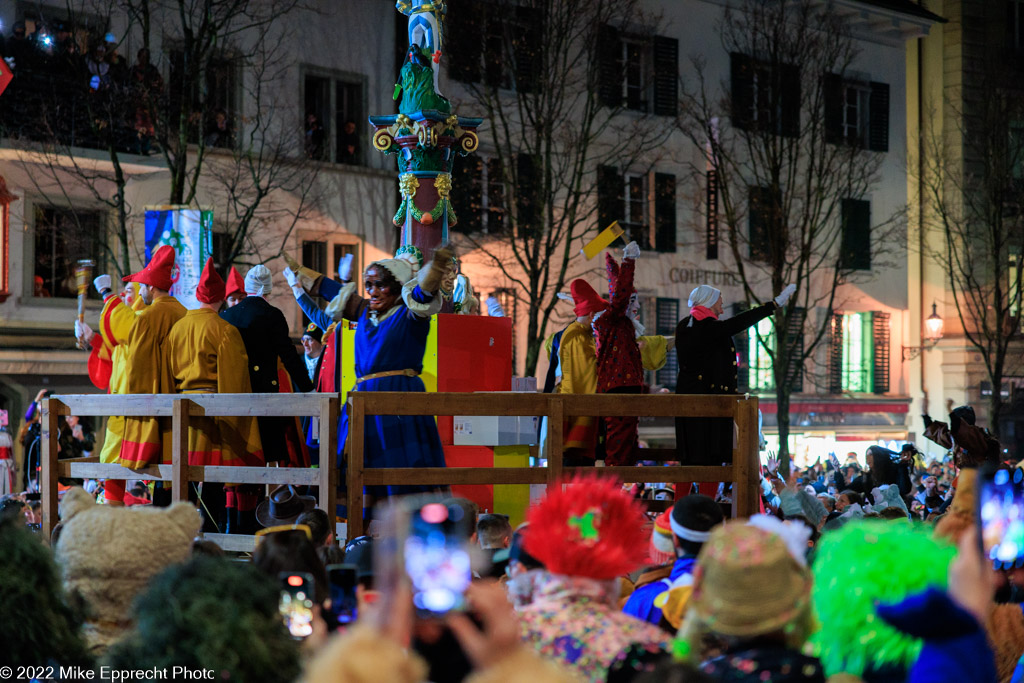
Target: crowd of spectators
(72, 87)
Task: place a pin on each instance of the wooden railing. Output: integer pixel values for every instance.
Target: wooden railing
(180, 408)
(743, 472)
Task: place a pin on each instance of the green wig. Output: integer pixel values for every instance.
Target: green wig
(858, 566)
(210, 613)
(38, 628)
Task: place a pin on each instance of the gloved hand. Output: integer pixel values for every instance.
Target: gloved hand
(632, 251)
(345, 268)
(102, 284)
(293, 281)
(83, 332)
(783, 297)
(431, 276)
(927, 420)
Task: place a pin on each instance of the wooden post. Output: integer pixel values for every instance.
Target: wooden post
(48, 422)
(745, 460)
(179, 448)
(555, 460)
(328, 436)
(354, 461)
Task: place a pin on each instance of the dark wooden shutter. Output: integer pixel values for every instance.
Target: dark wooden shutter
(712, 215)
(463, 41)
(856, 234)
(609, 66)
(610, 206)
(741, 68)
(759, 208)
(666, 76)
(467, 175)
(496, 221)
(496, 55)
(527, 204)
(667, 317)
(742, 344)
(880, 332)
(879, 114)
(529, 48)
(832, 94)
(664, 212)
(795, 348)
(835, 354)
(790, 105)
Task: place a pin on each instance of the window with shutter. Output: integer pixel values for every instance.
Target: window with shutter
(527, 203)
(609, 197)
(855, 242)
(832, 94)
(664, 212)
(527, 49)
(789, 116)
(741, 71)
(760, 339)
(667, 317)
(467, 195)
(858, 353)
(880, 324)
(835, 354)
(765, 97)
(879, 108)
(760, 209)
(666, 76)
(494, 197)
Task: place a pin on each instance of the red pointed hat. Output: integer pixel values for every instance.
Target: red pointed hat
(586, 299)
(158, 272)
(236, 285)
(211, 287)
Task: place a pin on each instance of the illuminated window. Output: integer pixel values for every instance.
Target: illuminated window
(761, 338)
(858, 352)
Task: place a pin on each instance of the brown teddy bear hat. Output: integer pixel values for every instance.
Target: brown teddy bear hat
(108, 554)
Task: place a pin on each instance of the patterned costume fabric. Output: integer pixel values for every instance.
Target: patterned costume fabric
(641, 604)
(573, 620)
(765, 665)
(577, 357)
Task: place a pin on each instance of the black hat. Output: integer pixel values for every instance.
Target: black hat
(694, 516)
(359, 552)
(283, 506)
(313, 331)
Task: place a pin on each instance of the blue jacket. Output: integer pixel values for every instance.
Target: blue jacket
(641, 603)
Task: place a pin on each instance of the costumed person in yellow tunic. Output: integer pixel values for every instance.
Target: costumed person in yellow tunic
(147, 440)
(577, 357)
(208, 357)
(107, 367)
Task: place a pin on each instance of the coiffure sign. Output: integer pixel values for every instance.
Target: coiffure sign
(696, 276)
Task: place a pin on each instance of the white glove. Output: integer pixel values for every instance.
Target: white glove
(632, 251)
(783, 297)
(291, 277)
(102, 283)
(345, 267)
(494, 308)
(83, 332)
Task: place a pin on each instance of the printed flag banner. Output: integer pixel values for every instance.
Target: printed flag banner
(190, 232)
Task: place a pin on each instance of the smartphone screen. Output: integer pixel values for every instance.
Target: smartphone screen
(343, 579)
(437, 559)
(1001, 516)
(296, 604)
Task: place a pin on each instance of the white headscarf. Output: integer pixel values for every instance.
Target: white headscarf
(704, 295)
(257, 281)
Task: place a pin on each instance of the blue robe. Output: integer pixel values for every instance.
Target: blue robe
(397, 342)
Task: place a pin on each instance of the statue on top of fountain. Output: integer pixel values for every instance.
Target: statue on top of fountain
(417, 84)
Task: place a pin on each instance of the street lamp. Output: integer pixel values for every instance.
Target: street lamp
(932, 335)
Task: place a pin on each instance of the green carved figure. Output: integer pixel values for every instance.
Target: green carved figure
(417, 84)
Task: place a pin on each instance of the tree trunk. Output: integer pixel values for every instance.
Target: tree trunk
(782, 417)
(995, 408)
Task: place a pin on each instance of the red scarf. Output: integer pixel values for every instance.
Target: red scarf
(701, 312)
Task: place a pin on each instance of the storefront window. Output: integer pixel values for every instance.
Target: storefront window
(858, 353)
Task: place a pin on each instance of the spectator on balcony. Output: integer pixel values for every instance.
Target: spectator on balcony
(39, 288)
(219, 133)
(314, 137)
(348, 144)
(144, 86)
(100, 78)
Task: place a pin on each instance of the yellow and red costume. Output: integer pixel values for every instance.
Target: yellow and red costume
(577, 356)
(147, 439)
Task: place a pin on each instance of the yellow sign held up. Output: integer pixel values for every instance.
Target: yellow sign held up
(601, 242)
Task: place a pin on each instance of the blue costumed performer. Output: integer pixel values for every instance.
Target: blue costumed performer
(390, 340)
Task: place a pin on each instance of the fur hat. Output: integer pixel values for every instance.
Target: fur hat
(588, 529)
(109, 554)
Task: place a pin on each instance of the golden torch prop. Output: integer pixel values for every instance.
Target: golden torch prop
(83, 275)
